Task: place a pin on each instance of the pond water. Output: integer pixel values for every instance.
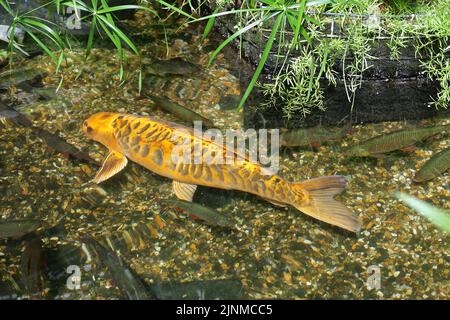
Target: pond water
(272, 252)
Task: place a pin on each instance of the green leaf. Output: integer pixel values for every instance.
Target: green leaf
(120, 34)
(299, 23)
(6, 7)
(53, 35)
(224, 13)
(90, 41)
(60, 60)
(76, 4)
(174, 8)
(209, 26)
(438, 217)
(42, 45)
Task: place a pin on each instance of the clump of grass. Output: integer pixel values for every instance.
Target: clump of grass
(48, 35)
(282, 15)
(297, 87)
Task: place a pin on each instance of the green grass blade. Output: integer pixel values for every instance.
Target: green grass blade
(312, 20)
(224, 13)
(174, 8)
(76, 4)
(306, 35)
(60, 60)
(52, 34)
(124, 7)
(120, 34)
(42, 45)
(6, 7)
(262, 61)
(237, 34)
(310, 3)
(438, 217)
(113, 37)
(299, 23)
(58, 6)
(90, 41)
(60, 84)
(209, 26)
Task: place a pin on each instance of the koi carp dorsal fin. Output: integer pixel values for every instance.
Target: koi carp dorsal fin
(323, 206)
(184, 191)
(113, 164)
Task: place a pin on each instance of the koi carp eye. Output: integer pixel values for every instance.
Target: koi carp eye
(87, 128)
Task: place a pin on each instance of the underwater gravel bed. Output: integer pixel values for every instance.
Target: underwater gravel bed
(275, 253)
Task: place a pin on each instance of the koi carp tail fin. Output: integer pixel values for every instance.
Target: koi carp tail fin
(316, 199)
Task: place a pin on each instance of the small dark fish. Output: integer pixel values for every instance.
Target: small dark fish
(31, 266)
(60, 145)
(209, 215)
(438, 164)
(52, 140)
(9, 113)
(394, 141)
(176, 66)
(18, 75)
(180, 111)
(199, 290)
(310, 136)
(129, 285)
(18, 228)
(46, 93)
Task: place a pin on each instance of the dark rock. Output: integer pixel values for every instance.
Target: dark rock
(229, 102)
(375, 101)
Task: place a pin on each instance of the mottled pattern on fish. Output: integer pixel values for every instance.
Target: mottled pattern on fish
(434, 167)
(163, 146)
(151, 144)
(395, 140)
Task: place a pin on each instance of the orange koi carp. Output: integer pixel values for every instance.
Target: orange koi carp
(160, 146)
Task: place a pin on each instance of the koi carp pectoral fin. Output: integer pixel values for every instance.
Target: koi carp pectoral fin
(113, 164)
(184, 191)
